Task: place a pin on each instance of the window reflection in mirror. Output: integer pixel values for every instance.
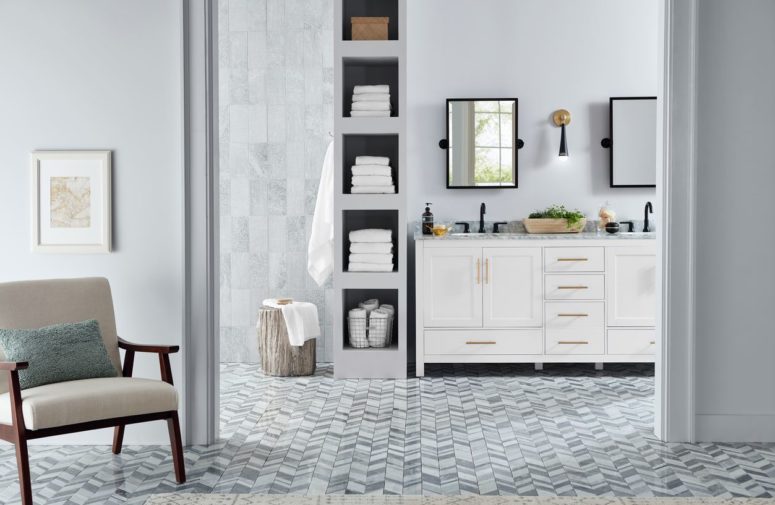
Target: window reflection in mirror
(481, 137)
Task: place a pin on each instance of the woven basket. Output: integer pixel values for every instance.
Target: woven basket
(543, 225)
(375, 332)
(370, 28)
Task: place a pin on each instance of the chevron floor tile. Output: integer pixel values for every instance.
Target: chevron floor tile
(462, 430)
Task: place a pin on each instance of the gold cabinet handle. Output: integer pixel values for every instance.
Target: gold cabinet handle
(480, 342)
(572, 287)
(652, 342)
(486, 270)
(573, 342)
(478, 271)
(572, 259)
(572, 315)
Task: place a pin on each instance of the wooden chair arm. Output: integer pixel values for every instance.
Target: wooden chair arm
(12, 366)
(158, 349)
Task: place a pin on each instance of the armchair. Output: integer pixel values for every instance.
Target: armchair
(69, 407)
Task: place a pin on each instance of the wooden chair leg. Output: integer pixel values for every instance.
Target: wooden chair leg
(118, 438)
(23, 463)
(176, 445)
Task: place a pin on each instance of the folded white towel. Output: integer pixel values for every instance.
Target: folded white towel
(372, 88)
(371, 235)
(371, 258)
(387, 308)
(358, 313)
(374, 248)
(372, 180)
(301, 319)
(370, 113)
(372, 97)
(372, 170)
(373, 190)
(370, 267)
(370, 106)
(372, 160)
(369, 305)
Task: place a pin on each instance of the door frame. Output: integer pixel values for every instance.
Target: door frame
(676, 196)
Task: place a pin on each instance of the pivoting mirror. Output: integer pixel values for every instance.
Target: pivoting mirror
(481, 142)
(633, 142)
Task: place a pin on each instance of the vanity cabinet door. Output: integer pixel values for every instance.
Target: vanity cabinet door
(631, 277)
(452, 287)
(513, 287)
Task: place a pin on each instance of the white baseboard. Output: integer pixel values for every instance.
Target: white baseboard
(735, 428)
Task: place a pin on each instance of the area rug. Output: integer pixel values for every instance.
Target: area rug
(252, 499)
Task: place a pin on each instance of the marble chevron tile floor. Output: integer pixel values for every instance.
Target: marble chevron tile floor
(461, 430)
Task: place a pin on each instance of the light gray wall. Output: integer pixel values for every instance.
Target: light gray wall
(101, 74)
(550, 54)
(735, 273)
(276, 109)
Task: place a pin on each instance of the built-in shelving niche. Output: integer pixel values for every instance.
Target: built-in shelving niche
(370, 8)
(369, 71)
(368, 145)
(350, 300)
(361, 219)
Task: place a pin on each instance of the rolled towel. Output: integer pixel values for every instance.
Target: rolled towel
(373, 190)
(372, 160)
(371, 258)
(369, 267)
(372, 97)
(375, 248)
(378, 327)
(372, 180)
(372, 170)
(358, 313)
(369, 305)
(371, 88)
(357, 324)
(370, 113)
(370, 106)
(371, 235)
(387, 308)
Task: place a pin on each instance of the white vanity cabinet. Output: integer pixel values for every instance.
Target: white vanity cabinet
(529, 299)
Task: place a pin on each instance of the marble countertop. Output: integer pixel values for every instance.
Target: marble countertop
(538, 236)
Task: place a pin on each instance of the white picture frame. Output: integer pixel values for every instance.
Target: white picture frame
(71, 201)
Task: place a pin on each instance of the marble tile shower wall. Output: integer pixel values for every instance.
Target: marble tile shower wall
(276, 78)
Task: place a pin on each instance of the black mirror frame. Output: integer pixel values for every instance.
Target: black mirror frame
(608, 143)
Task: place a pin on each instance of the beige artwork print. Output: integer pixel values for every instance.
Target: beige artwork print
(70, 202)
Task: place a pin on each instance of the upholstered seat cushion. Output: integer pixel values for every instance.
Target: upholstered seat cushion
(67, 403)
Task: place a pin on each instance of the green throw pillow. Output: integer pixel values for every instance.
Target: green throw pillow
(58, 353)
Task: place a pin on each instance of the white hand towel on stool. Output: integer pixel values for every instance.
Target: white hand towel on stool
(371, 235)
(301, 319)
(372, 180)
(372, 89)
(370, 106)
(371, 258)
(384, 170)
(378, 326)
(373, 248)
(372, 160)
(372, 97)
(370, 267)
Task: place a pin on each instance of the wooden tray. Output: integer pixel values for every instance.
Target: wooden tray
(543, 225)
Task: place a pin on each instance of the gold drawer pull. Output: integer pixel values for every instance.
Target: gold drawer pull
(572, 315)
(572, 287)
(478, 271)
(480, 342)
(572, 259)
(573, 342)
(652, 342)
(486, 270)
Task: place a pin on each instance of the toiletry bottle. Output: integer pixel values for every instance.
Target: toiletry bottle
(427, 220)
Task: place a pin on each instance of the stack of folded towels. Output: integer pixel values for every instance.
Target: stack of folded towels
(372, 174)
(371, 250)
(372, 101)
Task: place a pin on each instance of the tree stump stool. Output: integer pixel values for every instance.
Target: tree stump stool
(278, 357)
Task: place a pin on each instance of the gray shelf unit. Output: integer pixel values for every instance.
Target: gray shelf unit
(369, 62)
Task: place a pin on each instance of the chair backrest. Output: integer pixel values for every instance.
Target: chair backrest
(34, 304)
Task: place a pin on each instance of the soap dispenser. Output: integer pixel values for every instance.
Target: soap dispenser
(427, 220)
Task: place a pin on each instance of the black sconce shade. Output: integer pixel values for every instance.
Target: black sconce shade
(563, 142)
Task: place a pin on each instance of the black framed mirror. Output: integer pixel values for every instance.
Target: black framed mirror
(482, 143)
(633, 141)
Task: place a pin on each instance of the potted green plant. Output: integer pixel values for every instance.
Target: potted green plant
(555, 219)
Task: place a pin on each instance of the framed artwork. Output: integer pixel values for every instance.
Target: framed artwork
(71, 210)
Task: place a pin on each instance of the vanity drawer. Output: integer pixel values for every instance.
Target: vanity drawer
(574, 259)
(575, 327)
(574, 287)
(632, 341)
(575, 342)
(471, 342)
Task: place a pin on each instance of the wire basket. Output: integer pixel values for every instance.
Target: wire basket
(374, 332)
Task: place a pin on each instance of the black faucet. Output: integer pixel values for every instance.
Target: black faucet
(482, 212)
(648, 210)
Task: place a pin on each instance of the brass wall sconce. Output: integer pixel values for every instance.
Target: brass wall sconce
(561, 118)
